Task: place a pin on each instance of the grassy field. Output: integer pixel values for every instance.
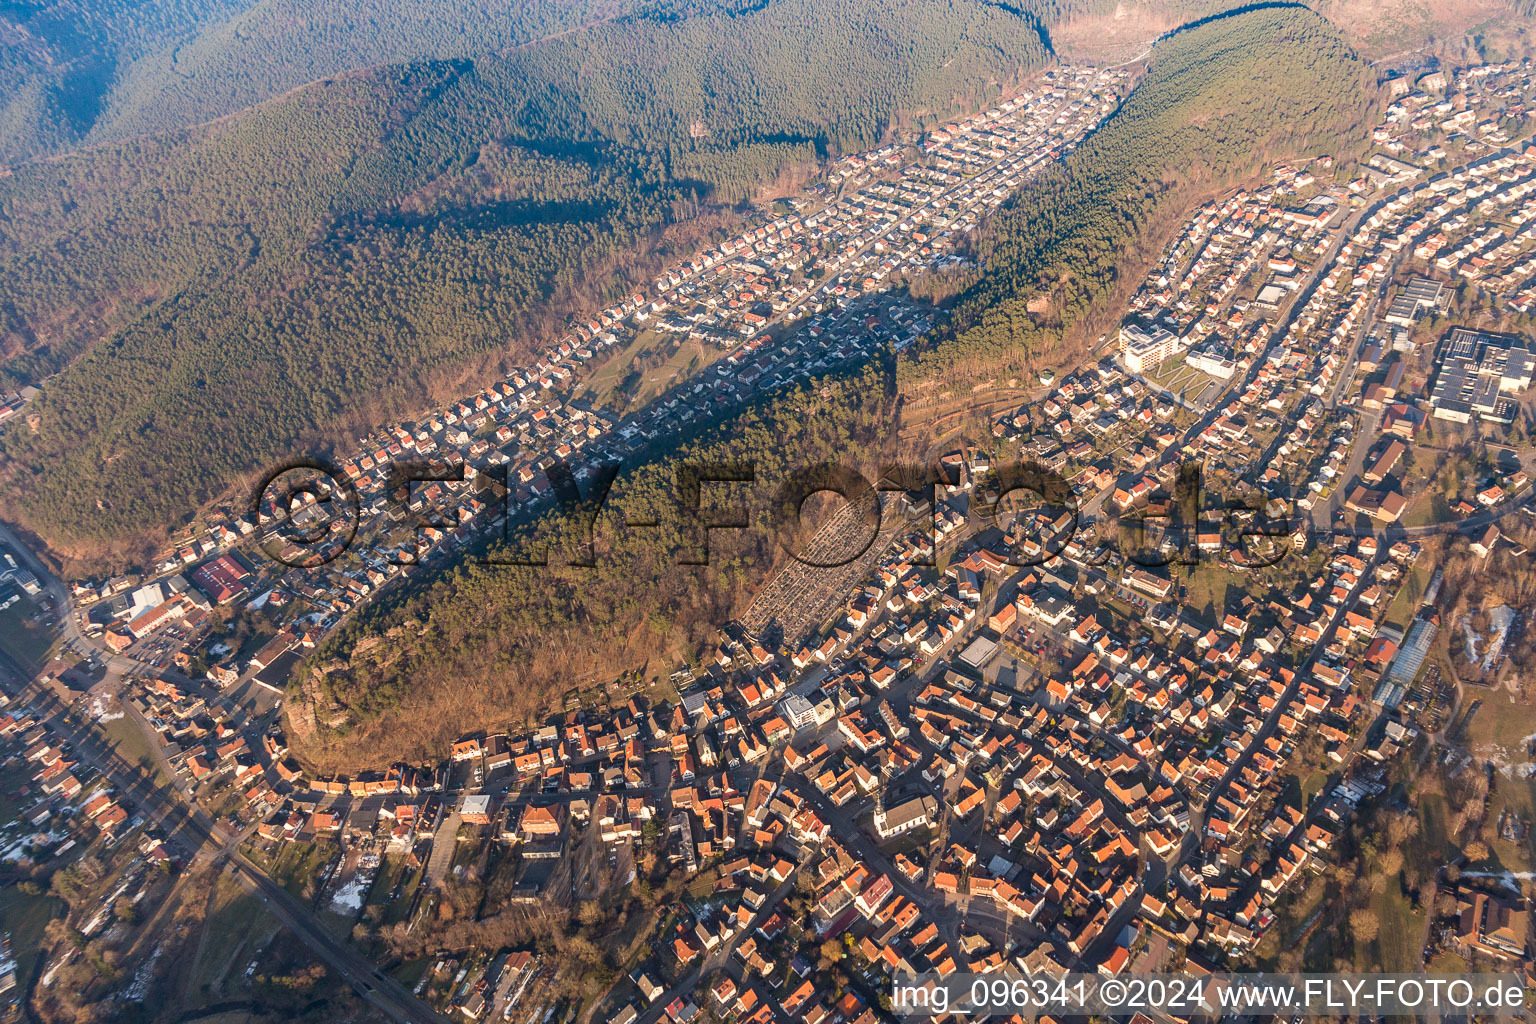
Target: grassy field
(391, 870)
(1168, 371)
(1518, 796)
(1432, 845)
(661, 689)
(1208, 584)
(606, 380)
(1498, 732)
(236, 926)
(618, 385)
(225, 799)
(1312, 783)
(1500, 728)
(690, 358)
(23, 918)
(335, 921)
(298, 863)
(22, 634)
(1400, 612)
(1296, 912)
(1399, 934)
(129, 742)
(1427, 510)
(12, 780)
(1447, 962)
(410, 972)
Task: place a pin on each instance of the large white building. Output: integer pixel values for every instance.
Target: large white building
(798, 711)
(1142, 349)
(904, 817)
(1217, 364)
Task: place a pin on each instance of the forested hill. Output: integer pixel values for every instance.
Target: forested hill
(77, 72)
(60, 61)
(219, 297)
(470, 646)
(1220, 102)
(73, 74)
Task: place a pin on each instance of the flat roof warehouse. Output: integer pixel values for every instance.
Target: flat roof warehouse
(979, 652)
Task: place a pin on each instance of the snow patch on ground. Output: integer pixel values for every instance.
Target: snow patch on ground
(1501, 620)
(1509, 878)
(138, 988)
(105, 707)
(350, 896)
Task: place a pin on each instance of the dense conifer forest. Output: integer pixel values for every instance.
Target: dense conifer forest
(89, 72)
